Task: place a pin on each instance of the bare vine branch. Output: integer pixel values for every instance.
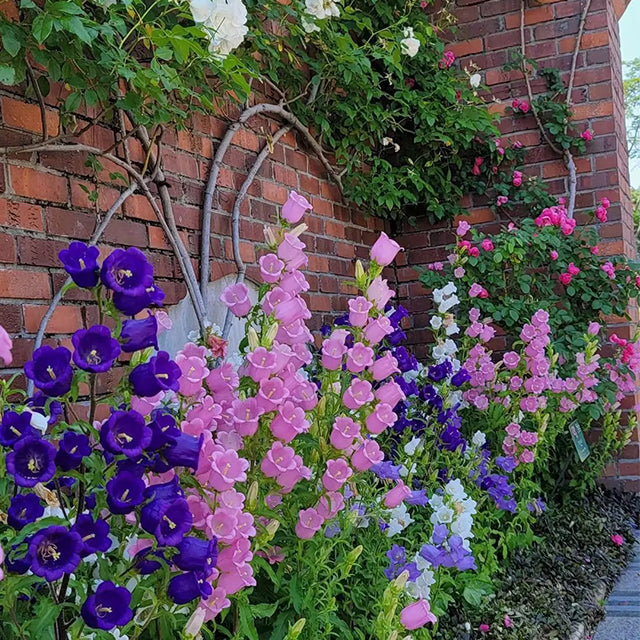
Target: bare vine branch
(246, 115)
(235, 225)
(566, 154)
(43, 107)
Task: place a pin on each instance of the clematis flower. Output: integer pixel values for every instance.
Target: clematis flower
(384, 250)
(409, 45)
(80, 262)
(416, 615)
(159, 374)
(95, 350)
(72, 448)
(94, 534)
(127, 272)
(108, 607)
(139, 334)
(54, 552)
(50, 370)
(295, 207)
(5, 346)
(24, 509)
(125, 432)
(31, 461)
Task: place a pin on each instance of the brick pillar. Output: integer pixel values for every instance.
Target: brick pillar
(488, 29)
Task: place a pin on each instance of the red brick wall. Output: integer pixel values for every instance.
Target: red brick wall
(488, 29)
(43, 206)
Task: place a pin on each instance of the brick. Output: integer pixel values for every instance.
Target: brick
(181, 164)
(468, 47)
(39, 185)
(127, 233)
(70, 223)
(7, 248)
(274, 193)
(65, 319)
(21, 215)
(157, 239)
(40, 252)
(27, 116)
(24, 284)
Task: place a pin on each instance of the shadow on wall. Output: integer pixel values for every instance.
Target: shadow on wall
(184, 318)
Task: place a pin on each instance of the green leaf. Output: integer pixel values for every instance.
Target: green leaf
(7, 74)
(41, 27)
(10, 42)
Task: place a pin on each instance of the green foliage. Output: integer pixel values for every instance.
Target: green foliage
(632, 106)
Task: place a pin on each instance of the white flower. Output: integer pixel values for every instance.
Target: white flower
(475, 80)
(421, 588)
(404, 471)
(479, 438)
(442, 515)
(436, 322)
(461, 526)
(400, 519)
(448, 303)
(455, 489)
(409, 44)
(38, 421)
(322, 9)
(452, 329)
(224, 20)
(412, 446)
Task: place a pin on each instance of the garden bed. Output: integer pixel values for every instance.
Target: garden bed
(555, 589)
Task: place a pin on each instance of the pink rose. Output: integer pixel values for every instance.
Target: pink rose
(617, 539)
(487, 245)
(565, 278)
(554, 254)
(586, 135)
(517, 178)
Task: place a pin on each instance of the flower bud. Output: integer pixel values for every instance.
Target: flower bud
(269, 236)
(272, 527)
(299, 230)
(195, 623)
(359, 272)
(252, 337)
(295, 631)
(401, 580)
(252, 496)
(270, 335)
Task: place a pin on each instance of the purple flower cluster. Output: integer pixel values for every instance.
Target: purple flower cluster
(397, 556)
(447, 551)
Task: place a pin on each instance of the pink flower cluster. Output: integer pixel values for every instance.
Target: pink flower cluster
(519, 444)
(520, 106)
(448, 58)
(556, 216)
(601, 210)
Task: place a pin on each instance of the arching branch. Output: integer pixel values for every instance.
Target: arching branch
(235, 224)
(245, 116)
